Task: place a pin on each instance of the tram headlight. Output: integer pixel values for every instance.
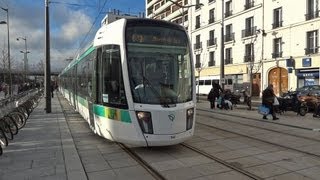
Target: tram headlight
(145, 121)
(190, 115)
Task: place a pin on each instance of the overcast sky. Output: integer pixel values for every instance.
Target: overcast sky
(70, 22)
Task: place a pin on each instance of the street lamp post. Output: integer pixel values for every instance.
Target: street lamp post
(9, 60)
(25, 56)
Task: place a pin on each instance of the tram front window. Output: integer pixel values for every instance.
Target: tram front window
(159, 65)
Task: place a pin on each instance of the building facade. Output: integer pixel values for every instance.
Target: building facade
(259, 42)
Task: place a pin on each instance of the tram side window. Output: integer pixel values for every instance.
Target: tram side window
(113, 93)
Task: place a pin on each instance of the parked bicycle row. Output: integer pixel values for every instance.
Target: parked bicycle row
(14, 112)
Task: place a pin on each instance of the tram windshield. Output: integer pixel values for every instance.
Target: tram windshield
(159, 65)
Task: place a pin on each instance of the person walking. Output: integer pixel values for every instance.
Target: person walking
(268, 100)
(214, 94)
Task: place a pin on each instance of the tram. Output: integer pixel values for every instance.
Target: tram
(135, 84)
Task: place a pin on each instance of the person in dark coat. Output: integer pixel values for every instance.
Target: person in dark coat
(268, 99)
(214, 94)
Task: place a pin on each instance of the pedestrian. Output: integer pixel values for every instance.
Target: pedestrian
(268, 97)
(215, 93)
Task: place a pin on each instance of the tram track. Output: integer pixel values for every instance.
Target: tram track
(259, 139)
(263, 128)
(221, 161)
(143, 163)
(254, 119)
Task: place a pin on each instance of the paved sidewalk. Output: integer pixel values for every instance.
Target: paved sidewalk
(43, 149)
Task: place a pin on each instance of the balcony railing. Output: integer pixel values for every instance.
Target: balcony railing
(248, 58)
(313, 50)
(211, 20)
(228, 13)
(249, 31)
(229, 37)
(312, 15)
(249, 5)
(211, 63)
(212, 42)
(277, 54)
(197, 45)
(277, 24)
(228, 61)
(197, 65)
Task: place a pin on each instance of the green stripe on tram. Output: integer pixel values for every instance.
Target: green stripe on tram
(112, 113)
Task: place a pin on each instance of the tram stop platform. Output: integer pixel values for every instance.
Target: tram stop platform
(43, 149)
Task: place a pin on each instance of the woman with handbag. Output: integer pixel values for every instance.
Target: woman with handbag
(268, 97)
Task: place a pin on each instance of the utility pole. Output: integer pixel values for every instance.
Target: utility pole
(47, 72)
(9, 58)
(222, 49)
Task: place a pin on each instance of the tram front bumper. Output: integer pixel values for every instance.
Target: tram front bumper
(169, 139)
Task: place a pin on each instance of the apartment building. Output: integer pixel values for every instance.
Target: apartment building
(264, 41)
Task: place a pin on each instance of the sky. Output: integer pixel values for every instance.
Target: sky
(73, 24)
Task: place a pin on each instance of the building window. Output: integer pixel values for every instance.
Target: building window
(312, 42)
(228, 9)
(229, 36)
(277, 48)
(212, 40)
(211, 59)
(312, 9)
(277, 18)
(211, 1)
(198, 64)
(211, 16)
(228, 59)
(250, 28)
(198, 4)
(198, 44)
(249, 53)
(248, 4)
(197, 21)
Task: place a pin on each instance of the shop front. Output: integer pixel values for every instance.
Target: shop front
(307, 76)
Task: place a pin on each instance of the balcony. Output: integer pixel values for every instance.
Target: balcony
(228, 13)
(249, 31)
(249, 5)
(228, 61)
(312, 15)
(229, 37)
(248, 58)
(197, 45)
(211, 20)
(212, 42)
(311, 50)
(277, 54)
(277, 24)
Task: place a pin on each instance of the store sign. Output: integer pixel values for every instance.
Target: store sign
(290, 62)
(306, 62)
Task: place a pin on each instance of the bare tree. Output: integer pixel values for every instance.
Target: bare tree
(253, 66)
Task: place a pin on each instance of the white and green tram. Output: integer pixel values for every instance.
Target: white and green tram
(135, 84)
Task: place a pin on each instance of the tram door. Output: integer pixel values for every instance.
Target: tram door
(92, 86)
